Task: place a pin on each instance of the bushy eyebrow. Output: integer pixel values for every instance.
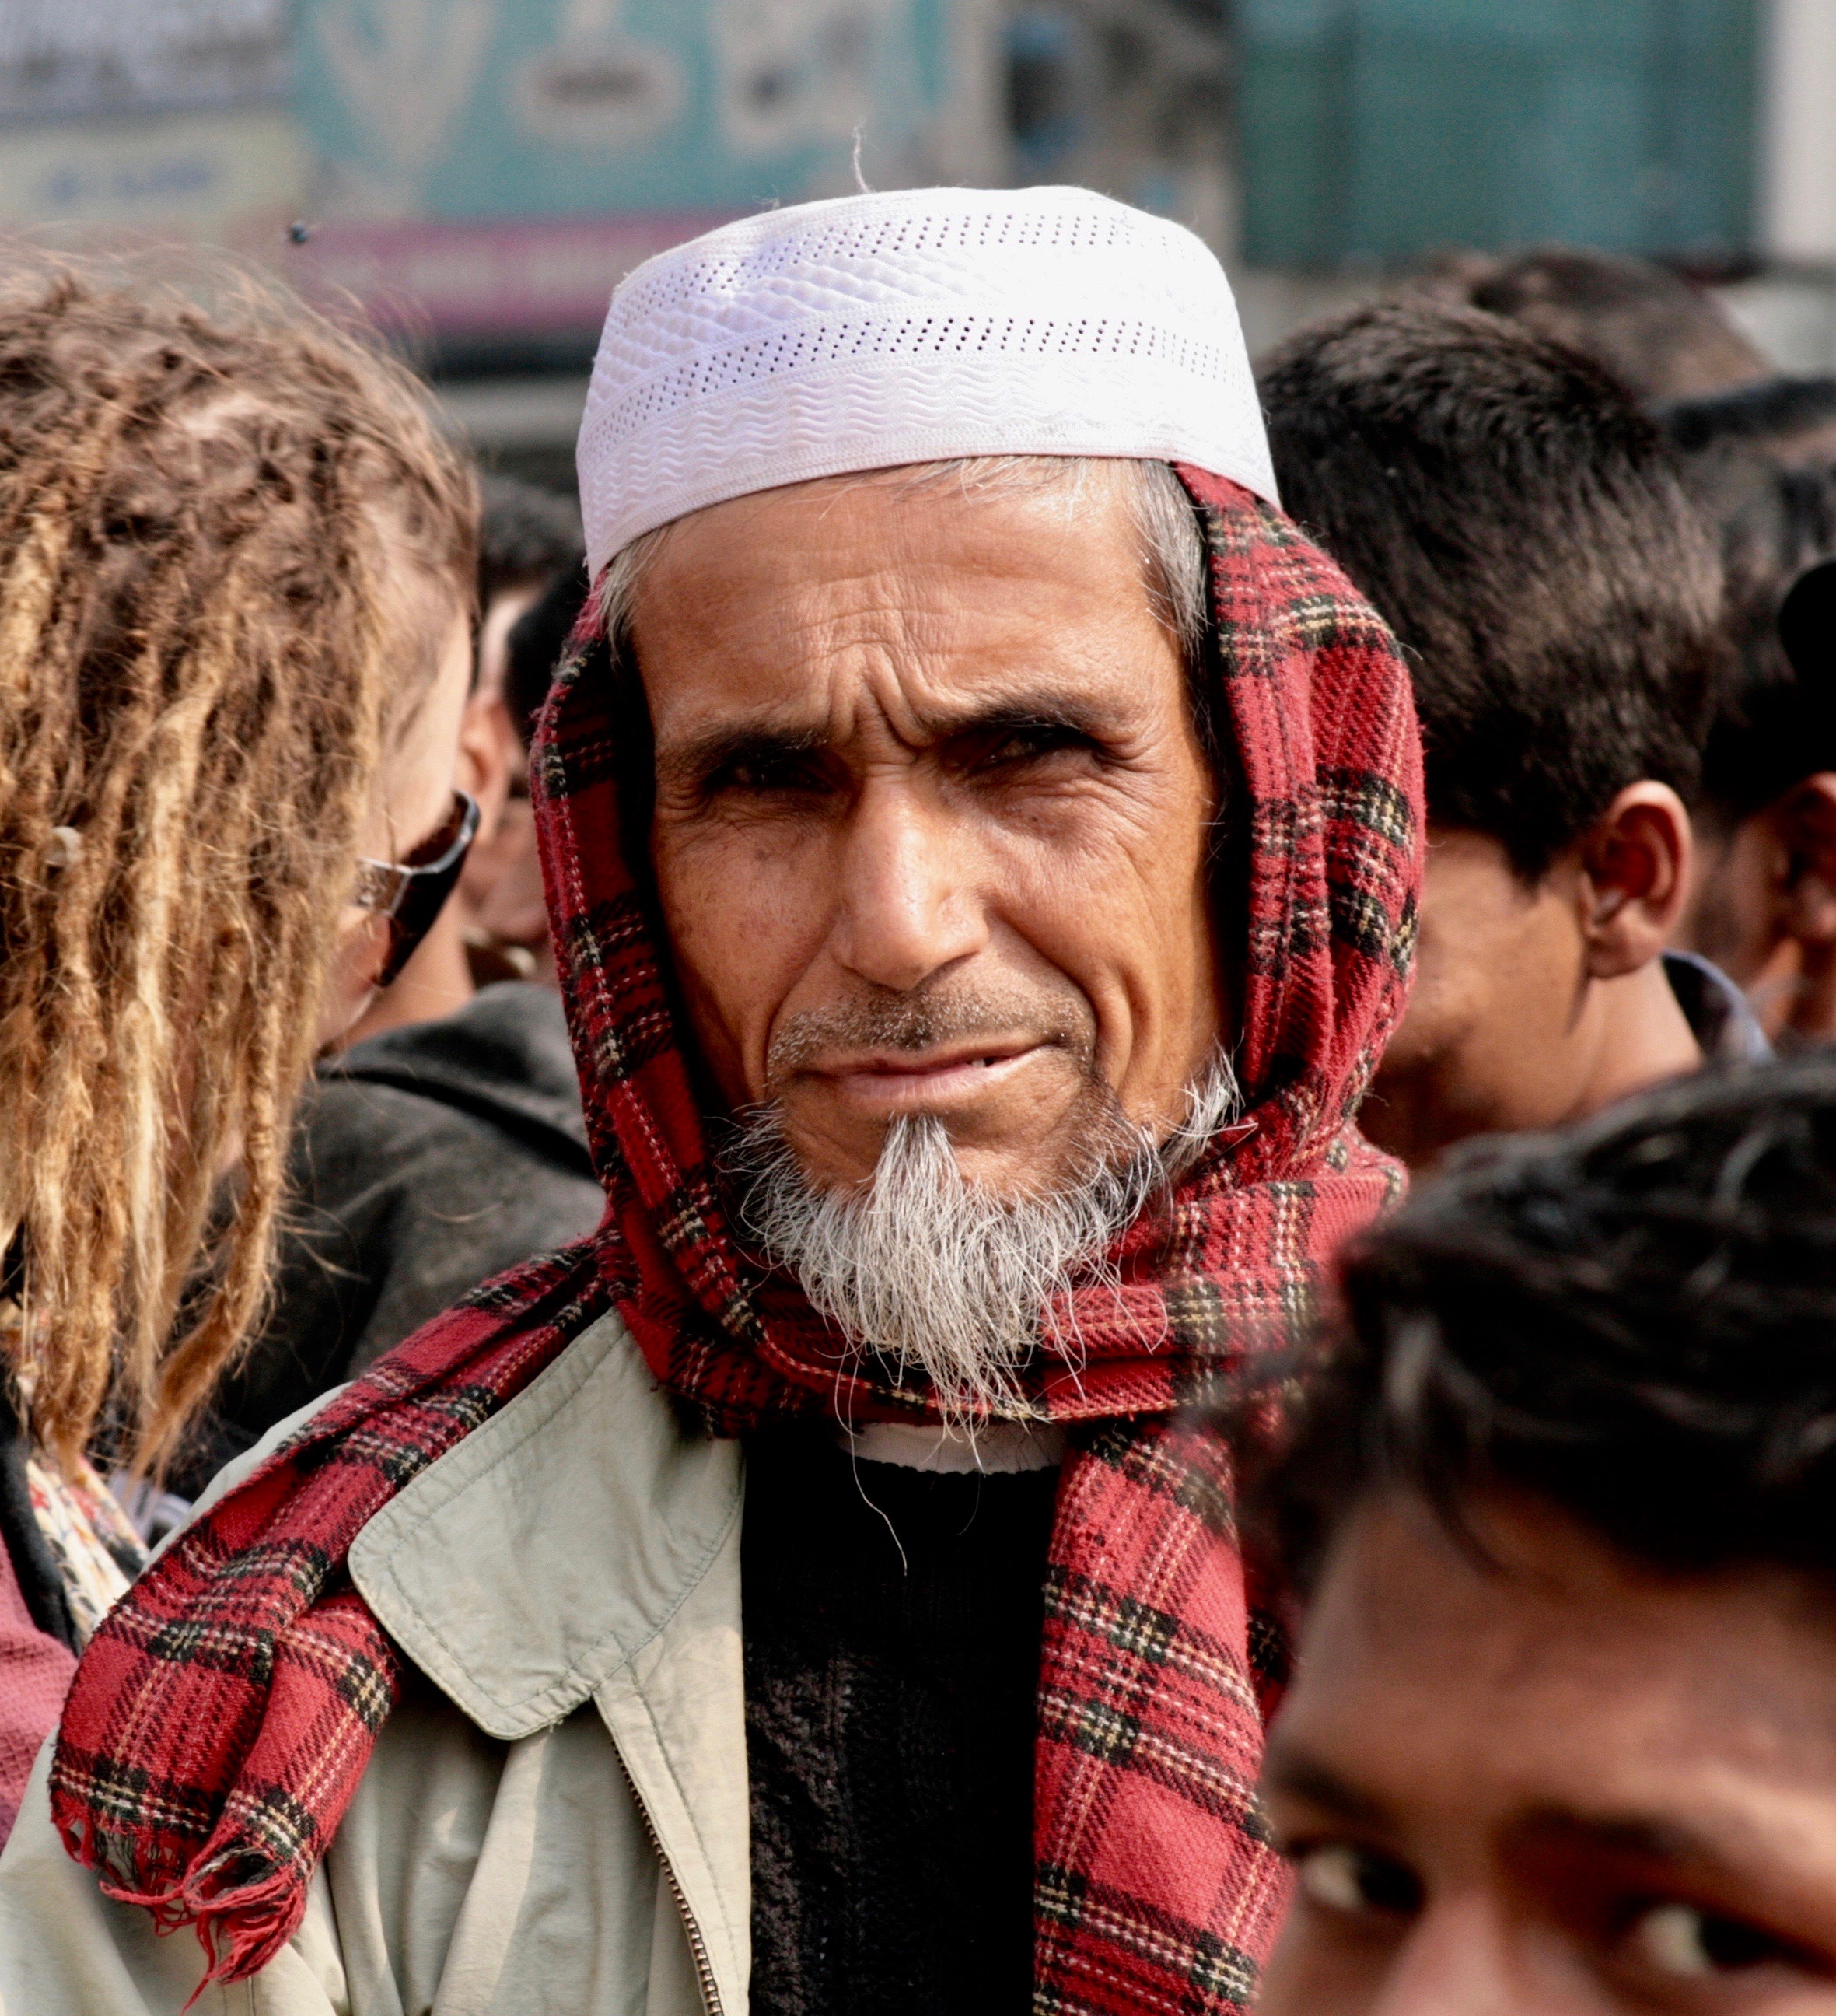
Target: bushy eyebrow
(1639, 1837)
(1292, 1771)
(700, 758)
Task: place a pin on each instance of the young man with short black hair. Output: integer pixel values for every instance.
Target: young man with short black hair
(1560, 1501)
(1516, 521)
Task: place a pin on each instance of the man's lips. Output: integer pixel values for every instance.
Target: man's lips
(885, 1079)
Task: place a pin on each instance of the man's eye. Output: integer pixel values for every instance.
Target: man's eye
(1678, 1940)
(1358, 1881)
(761, 775)
(1028, 745)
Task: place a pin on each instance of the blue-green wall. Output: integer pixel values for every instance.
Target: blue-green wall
(1377, 130)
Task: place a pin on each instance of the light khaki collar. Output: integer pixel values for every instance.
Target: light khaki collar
(551, 1545)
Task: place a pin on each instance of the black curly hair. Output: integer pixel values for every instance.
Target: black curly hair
(1636, 1321)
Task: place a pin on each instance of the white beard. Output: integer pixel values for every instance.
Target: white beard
(928, 1272)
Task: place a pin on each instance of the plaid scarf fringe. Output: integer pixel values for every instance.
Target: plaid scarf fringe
(229, 1705)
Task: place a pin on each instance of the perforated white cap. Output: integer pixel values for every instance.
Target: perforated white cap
(915, 327)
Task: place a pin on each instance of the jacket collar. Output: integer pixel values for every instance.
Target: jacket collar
(553, 1543)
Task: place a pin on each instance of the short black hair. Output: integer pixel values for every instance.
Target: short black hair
(1636, 1322)
(525, 535)
(1659, 334)
(1760, 463)
(1518, 524)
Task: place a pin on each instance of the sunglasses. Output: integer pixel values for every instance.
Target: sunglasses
(411, 893)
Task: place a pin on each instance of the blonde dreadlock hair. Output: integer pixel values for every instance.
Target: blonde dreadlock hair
(218, 527)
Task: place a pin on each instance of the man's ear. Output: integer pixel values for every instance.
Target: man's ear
(1635, 878)
(487, 752)
(1804, 821)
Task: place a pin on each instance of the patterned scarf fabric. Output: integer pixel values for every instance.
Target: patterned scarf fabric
(224, 1714)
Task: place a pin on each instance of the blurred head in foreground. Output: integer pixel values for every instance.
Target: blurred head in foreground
(236, 568)
(1560, 1500)
(1516, 521)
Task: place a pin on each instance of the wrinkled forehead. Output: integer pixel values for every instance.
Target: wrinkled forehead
(993, 512)
(924, 593)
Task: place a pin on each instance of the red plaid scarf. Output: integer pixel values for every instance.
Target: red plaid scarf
(224, 1714)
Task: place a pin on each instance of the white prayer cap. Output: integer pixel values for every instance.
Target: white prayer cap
(915, 327)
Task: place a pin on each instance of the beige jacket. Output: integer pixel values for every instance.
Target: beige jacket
(554, 1821)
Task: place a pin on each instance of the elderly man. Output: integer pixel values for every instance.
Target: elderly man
(982, 837)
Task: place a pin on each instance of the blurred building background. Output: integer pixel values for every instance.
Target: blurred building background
(478, 173)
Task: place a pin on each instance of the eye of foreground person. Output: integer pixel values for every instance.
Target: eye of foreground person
(1339, 1876)
(1536, 1782)
(1669, 1938)
(1681, 1939)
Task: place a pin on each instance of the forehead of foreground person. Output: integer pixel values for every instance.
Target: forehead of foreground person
(926, 754)
(1564, 1734)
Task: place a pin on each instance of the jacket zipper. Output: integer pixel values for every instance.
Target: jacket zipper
(710, 2000)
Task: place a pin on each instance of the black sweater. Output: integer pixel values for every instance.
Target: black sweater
(892, 1628)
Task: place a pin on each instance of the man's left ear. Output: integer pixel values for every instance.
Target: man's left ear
(1635, 863)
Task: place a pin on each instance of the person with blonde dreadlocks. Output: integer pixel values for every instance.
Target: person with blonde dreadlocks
(236, 606)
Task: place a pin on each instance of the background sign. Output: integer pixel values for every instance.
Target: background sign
(59, 57)
(1374, 131)
(501, 108)
(476, 171)
(493, 165)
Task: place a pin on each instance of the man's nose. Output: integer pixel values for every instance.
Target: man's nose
(909, 905)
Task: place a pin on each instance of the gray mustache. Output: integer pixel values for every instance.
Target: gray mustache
(901, 1022)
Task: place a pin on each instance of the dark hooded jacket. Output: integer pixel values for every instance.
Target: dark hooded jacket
(430, 1158)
